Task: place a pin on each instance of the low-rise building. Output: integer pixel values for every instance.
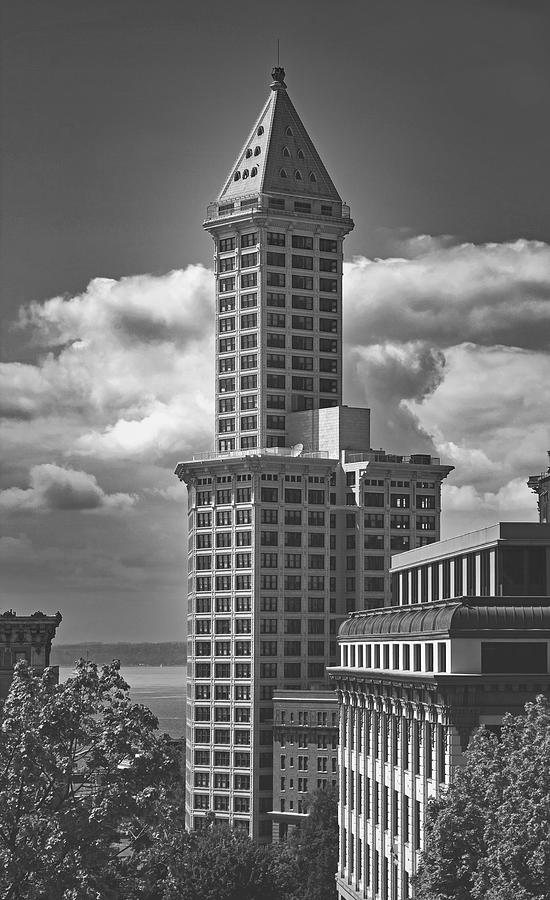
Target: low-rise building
(305, 753)
(416, 679)
(26, 638)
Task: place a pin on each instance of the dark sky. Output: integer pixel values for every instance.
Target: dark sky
(121, 118)
(120, 121)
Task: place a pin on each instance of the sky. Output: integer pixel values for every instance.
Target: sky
(120, 122)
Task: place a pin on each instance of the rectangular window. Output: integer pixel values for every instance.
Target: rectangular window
(249, 320)
(275, 279)
(249, 279)
(302, 262)
(276, 341)
(249, 382)
(303, 322)
(249, 361)
(302, 282)
(328, 285)
(328, 265)
(227, 244)
(276, 422)
(249, 240)
(276, 320)
(328, 345)
(248, 301)
(275, 381)
(275, 299)
(302, 207)
(226, 385)
(227, 264)
(248, 260)
(227, 345)
(226, 285)
(276, 259)
(328, 385)
(249, 341)
(276, 238)
(275, 401)
(328, 325)
(302, 242)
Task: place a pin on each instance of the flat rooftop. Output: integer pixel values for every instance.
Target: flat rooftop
(515, 532)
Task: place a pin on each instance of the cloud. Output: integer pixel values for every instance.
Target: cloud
(55, 488)
(485, 294)
(126, 368)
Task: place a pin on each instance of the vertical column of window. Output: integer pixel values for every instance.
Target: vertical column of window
(329, 266)
(248, 343)
(225, 344)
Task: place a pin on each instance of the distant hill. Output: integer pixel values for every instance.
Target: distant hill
(170, 653)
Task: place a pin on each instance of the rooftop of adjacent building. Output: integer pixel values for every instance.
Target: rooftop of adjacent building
(464, 616)
(527, 533)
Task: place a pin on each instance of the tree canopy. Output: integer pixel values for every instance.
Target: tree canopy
(82, 772)
(488, 835)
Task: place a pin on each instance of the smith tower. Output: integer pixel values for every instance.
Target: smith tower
(278, 227)
(292, 517)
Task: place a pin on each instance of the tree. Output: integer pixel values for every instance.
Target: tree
(314, 849)
(488, 836)
(82, 776)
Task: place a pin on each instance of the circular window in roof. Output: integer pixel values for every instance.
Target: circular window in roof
(283, 174)
(298, 175)
(248, 153)
(312, 177)
(260, 130)
(245, 173)
(253, 171)
(257, 151)
(288, 131)
(236, 176)
(301, 154)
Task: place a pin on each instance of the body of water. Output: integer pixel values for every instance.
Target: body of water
(161, 688)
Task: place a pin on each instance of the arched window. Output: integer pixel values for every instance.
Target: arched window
(248, 153)
(312, 177)
(257, 151)
(245, 173)
(236, 176)
(283, 174)
(298, 175)
(301, 154)
(288, 131)
(253, 171)
(260, 130)
(286, 151)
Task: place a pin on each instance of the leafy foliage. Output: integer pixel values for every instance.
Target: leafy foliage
(82, 772)
(314, 849)
(488, 836)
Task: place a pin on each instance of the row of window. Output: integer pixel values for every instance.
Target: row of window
(220, 691)
(279, 320)
(279, 260)
(399, 501)
(267, 604)
(267, 495)
(280, 203)
(278, 279)
(203, 583)
(315, 518)
(221, 781)
(240, 804)
(227, 303)
(420, 657)
(278, 239)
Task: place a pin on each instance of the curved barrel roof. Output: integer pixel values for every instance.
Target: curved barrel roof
(452, 617)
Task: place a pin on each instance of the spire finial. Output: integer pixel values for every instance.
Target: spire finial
(278, 75)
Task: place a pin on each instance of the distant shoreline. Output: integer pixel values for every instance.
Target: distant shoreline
(166, 653)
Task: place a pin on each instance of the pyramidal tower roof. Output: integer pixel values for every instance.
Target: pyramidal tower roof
(279, 155)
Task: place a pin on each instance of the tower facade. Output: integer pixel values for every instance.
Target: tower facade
(278, 227)
(292, 517)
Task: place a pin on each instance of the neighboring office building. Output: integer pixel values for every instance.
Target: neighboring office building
(26, 638)
(293, 517)
(467, 644)
(540, 485)
(305, 753)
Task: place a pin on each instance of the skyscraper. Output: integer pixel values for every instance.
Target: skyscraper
(282, 511)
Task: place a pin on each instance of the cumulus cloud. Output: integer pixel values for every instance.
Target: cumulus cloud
(55, 488)
(127, 366)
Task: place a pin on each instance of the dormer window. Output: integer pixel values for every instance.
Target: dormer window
(260, 131)
(312, 177)
(288, 131)
(253, 171)
(236, 176)
(298, 175)
(257, 151)
(301, 154)
(286, 151)
(248, 153)
(283, 174)
(245, 173)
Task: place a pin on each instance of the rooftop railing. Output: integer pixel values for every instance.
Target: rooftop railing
(260, 451)
(415, 459)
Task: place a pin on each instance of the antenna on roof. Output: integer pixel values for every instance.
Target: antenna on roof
(278, 61)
